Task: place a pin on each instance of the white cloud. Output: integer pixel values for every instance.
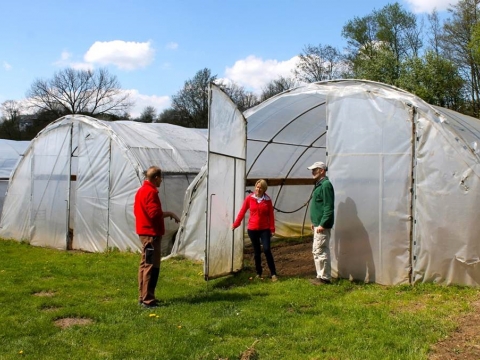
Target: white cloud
(172, 46)
(420, 6)
(160, 103)
(66, 61)
(81, 66)
(127, 55)
(254, 73)
(65, 55)
(7, 66)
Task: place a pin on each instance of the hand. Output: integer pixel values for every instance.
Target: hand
(319, 229)
(175, 217)
(233, 227)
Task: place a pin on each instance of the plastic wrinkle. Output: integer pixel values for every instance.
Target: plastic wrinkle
(468, 263)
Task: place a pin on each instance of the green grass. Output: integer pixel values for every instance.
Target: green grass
(289, 319)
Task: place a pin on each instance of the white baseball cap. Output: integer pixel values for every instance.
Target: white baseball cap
(318, 165)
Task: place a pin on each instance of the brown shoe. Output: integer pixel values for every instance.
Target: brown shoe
(320, 281)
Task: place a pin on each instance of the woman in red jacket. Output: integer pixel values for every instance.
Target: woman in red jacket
(261, 225)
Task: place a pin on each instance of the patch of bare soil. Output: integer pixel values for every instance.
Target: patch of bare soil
(464, 343)
(296, 260)
(67, 322)
(250, 353)
(291, 260)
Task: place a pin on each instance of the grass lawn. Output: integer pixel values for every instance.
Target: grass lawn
(221, 319)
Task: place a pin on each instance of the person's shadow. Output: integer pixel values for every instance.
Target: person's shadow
(352, 246)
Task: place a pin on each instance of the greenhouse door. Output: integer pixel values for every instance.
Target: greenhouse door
(92, 190)
(225, 185)
(369, 147)
(50, 186)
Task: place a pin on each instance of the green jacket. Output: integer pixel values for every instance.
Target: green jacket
(321, 205)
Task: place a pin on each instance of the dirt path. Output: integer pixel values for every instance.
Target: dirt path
(296, 261)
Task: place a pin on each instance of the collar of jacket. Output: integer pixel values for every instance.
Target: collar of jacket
(319, 182)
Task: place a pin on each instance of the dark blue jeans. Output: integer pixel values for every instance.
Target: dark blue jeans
(264, 237)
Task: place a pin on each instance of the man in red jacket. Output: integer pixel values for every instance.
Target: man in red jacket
(150, 227)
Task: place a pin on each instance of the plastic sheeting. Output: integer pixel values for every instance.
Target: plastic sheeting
(369, 142)
(75, 186)
(446, 244)
(405, 175)
(225, 185)
(192, 231)
(212, 202)
(406, 178)
(10, 153)
(286, 134)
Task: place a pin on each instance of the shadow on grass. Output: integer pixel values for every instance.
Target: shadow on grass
(208, 297)
(245, 277)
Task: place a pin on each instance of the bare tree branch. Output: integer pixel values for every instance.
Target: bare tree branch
(86, 92)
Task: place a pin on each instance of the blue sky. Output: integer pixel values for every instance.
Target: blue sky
(154, 46)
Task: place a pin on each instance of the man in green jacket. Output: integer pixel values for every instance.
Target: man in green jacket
(322, 216)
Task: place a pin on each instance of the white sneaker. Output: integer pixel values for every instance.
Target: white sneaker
(274, 278)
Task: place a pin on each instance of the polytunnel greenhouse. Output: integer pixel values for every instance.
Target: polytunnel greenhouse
(406, 176)
(10, 153)
(74, 187)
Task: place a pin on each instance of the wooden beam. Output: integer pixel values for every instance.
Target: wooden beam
(277, 182)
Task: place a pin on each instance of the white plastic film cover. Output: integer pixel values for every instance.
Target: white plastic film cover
(92, 190)
(446, 248)
(190, 239)
(124, 183)
(101, 168)
(50, 178)
(15, 221)
(225, 185)
(369, 147)
(10, 154)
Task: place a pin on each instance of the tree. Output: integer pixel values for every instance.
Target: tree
(190, 104)
(169, 116)
(398, 29)
(456, 44)
(433, 78)
(11, 110)
(276, 86)
(148, 115)
(10, 124)
(382, 67)
(318, 63)
(381, 41)
(88, 92)
(240, 97)
(435, 31)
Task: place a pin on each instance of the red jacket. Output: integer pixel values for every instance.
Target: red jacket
(148, 211)
(261, 214)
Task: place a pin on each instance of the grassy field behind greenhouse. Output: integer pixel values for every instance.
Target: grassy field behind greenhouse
(222, 319)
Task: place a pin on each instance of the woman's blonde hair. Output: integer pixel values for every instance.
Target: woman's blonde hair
(263, 184)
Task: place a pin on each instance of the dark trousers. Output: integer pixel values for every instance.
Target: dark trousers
(263, 236)
(149, 269)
